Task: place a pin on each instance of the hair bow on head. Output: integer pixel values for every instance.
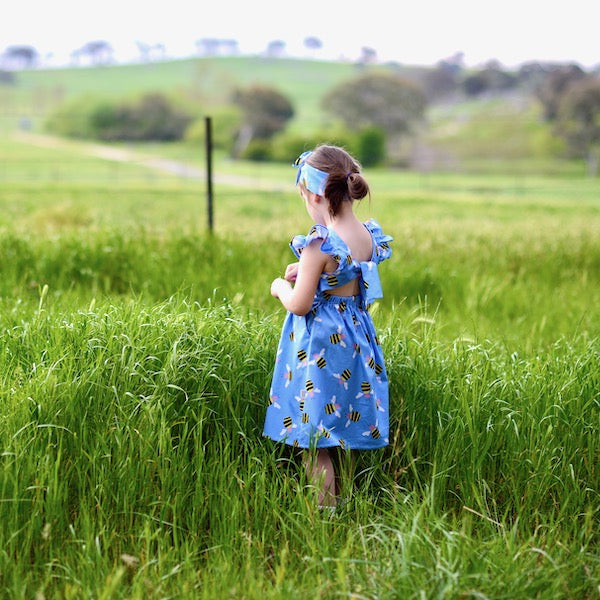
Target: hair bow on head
(312, 179)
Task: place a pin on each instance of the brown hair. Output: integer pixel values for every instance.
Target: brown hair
(345, 182)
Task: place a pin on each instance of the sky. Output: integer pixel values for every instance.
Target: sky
(410, 32)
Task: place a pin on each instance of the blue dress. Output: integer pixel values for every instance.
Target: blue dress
(330, 385)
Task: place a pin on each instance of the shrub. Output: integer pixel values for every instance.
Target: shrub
(258, 150)
(370, 146)
(151, 118)
(288, 146)
(72, 118)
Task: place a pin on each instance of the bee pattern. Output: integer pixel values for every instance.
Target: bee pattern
(373, 365)
(349, 259)
(303, 359)
(326, 433)
(338, 338)
(300, 399)
(365, 387)
(332, 281)
(287, 375)
(288, 425)
(343, 377)
(305, 418)
(355, 320)
(373, 431)
(291, 336)
(310, 388)
(342, 444)
(353, 416)
(357, 349)
(342, 306)
(320, 360)
(273, 400)
(279, 351)
(332, 408)
(378, 405)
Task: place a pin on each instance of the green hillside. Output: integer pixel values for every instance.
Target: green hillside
(501, 132)
(206, 81)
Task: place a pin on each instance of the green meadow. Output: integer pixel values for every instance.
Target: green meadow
(136, 351)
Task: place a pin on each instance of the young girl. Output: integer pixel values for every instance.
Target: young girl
(330, 387)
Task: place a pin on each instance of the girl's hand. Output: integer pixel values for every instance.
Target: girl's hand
(278, 286)
(291, 272)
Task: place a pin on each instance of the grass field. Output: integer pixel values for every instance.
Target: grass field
(135, 359)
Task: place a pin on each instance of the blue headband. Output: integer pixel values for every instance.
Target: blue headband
(312, 179)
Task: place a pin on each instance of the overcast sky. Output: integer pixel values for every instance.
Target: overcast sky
(413, 32)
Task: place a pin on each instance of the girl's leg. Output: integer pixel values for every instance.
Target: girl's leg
(321, 473)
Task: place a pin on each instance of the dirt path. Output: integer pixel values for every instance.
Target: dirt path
(156, 163)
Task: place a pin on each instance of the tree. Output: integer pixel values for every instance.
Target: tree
(313, 43)
(384, 100)
(491, 78)
(554, 84)
(150, 52)
(99, 51)
(275, 49)
(439, 83)
(20, 57)
(367, 56)
(578, 120)
(265, 112)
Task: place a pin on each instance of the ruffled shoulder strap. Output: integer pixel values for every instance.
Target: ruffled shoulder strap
(332, 244)
(381, 240)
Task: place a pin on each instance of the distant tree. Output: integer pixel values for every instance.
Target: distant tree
(490, 78)
(150, 52)
(20, 57)
(368, 56)
(265, 112)
(578, 120)
(207, 46)
(474, 84)
(382, 100)
(531, 74)
(439, 82)
(217, 46)
(554, 84)
(230, 47)
(275, 49)
(313, 43)
(100, 52)
(453, 64)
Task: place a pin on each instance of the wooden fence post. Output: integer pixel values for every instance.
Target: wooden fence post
(209, 175)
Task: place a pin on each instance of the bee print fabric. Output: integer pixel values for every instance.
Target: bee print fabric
(330, 385)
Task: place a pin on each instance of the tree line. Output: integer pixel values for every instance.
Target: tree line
(372, 112)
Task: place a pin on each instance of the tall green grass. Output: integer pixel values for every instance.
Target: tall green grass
(135, 358)
(133, 464)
